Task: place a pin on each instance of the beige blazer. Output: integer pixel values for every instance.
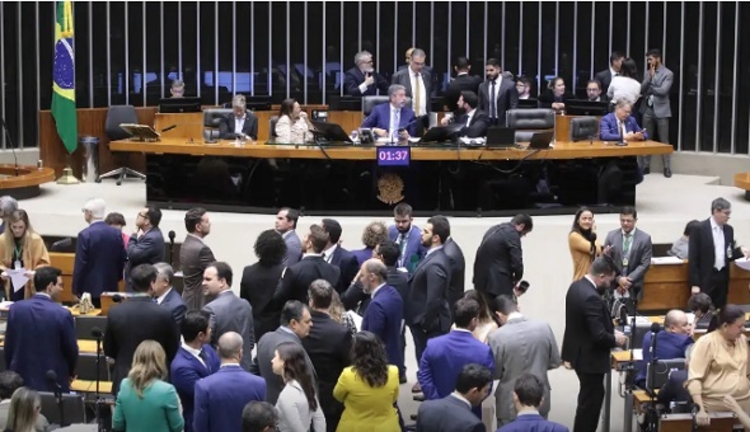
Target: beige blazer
(34, 255)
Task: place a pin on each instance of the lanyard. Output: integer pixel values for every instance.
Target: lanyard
(18, 251)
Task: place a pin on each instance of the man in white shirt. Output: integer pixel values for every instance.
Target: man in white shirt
(242, 124)
(605, 76)
(417, 82)
(165, 295)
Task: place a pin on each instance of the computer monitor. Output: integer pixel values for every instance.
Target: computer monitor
(180, 105)
(331, 132)
(258, 103)
(441, 133)
(528, 103)
(586, 108)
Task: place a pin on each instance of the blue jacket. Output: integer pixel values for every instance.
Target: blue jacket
(443, 359)
(185, 372)
(148, 249)
(383, 317)
(380, 117)
(414, 250)
(220, 398)
(608, 130)
(668, 346)
(100, 260)
(362, 255)
(532, 423)
(173, 303)
(41, 336)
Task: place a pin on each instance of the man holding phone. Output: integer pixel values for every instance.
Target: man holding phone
(362, 80)
(393, 119)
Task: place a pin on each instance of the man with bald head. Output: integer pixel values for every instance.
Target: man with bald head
(220, 398)
(384, 315)
(671, 342)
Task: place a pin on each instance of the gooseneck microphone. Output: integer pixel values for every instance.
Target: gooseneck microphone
(12, 146)
(57, 390)
(171, 236)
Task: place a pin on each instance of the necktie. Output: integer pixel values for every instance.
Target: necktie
(204, 357)
(623, 131)
(417, 95)
(493, 104)
(626, 243)
(394, 122)
(402, 248)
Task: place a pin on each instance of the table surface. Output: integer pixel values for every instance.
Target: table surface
(561, 150)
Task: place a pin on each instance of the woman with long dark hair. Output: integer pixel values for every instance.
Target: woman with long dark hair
(625, 86)
(583, 243)
(368, 388)
(556, 95)
(487, 323)
(298, 405)
(292, 126)
(718, 365)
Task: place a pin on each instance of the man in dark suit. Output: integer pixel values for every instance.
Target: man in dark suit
(100, 254)
(40, 335)
(195, 256)
(418, 85)
(594, 92)
(457, 266)
(228, 312)
(296, 279)
(589, 337)
(241, 124)
(475, 122)
(165, 295)
(385, 313)
(221, 397)
(498, 266)
(194, 360)
(337, 256)
(428, 312)
(462, 82)
(445, 356)
(605, 76)
(286, 225)
(631, 248)
(528, 396)
(392, 120)
(453, 412)
(710, 250)
(362, 79)
(136, 320)
(296, 322)
(328, 345)
(407, 237)
(146, 245)
(498, 94)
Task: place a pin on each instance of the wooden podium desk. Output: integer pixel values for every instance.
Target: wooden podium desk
(65, 262)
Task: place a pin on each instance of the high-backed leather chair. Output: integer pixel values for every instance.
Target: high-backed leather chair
(211, 120)
(117, 115)
(272, 126)
(528, 121)
(370, 102)
(584, 129)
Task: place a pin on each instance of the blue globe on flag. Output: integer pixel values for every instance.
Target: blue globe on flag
(64, 69)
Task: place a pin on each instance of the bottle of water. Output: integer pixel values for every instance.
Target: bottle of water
(354, 136)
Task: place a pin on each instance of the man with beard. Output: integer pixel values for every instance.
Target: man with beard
(475, 122)
(498, 94)
(363, 80)
(589, 338)
(407, 237)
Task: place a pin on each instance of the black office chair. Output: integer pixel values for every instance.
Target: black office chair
(526, 122)
(116, 115)
(370, 102)
(72, 406)
(212, 118)
(86, 367)
(584, 129)
(64, 245)
(86, 324)
(272, 126)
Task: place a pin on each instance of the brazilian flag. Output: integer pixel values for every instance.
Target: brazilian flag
(64, 77)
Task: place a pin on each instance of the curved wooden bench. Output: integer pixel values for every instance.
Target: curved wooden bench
(26, 183)
(742, 181)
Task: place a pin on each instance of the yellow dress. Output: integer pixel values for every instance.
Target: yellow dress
(580, 251)
(367, 409)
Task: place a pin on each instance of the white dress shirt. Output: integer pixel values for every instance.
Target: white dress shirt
(372, 294)
(416, 80)
(460, 397)
(719, 244)
(239, 123)
(624, 88)
(194, 352)
(328, 254)
(431, 250)
(394, 120)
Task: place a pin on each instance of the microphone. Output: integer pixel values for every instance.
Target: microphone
(10, 141)
(169, 128)
(694, 408)
(413, 121)
(171, 236)
(117, 298)
(52, 378)
(97, 332)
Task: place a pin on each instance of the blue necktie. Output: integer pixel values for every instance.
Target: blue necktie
(493, 105)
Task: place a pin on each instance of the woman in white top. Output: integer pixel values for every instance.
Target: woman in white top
(625, 86)
(292, 126)
(297, 405)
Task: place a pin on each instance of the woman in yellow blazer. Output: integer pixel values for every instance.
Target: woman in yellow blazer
(21, 247)
(583, 243)
(368, 389)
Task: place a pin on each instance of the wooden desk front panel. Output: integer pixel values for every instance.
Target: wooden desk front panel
(187, 125)
(65, 262)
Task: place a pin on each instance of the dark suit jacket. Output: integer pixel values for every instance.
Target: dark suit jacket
(297, 279)
(478, 126)
(257, 287)
(507, 98)
(498, 265)
(427, 306)
(701, 254)
(589, 331)
(362, 255)
(639, 260)
(185, 371)
(674, 389)
(414, 250)
(532, 423)
(41, 336)
(354, 298)
(100, 260)
(458, 268)
(347, 264)
(249, 128)
(546, 98)
(220, 398)
(380, 117)
(148, 249)
(403, 77)
(329, 347)
(262, 362)
(129, 324)
(605, 79)
(383, 317)
(174, 304)
(447, 415)
(463, 82)
(195, 256)
(354, 77)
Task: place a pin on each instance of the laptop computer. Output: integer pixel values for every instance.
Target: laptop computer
(662, 371)
(332, 133)
(500, 137)
(440, 134)
(541, 140)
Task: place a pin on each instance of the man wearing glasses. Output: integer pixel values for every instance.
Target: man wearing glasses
(363, 80)
(146, 245)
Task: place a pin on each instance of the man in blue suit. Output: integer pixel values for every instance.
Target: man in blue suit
(527, 398)
(194, 360)
(670, 344)
(408, 237)
(446, 355)
(165, 295)
(41, 335)
(220, 398)
(384, 315)
(146, 245)
(100, 254)
(393, 119)
(620, 125)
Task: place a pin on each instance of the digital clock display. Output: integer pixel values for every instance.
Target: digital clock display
(393, 156)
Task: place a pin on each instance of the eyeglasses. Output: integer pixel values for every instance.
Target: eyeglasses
(142, 215)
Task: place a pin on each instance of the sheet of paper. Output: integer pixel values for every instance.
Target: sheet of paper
(743, 263)
(18, 278)
(667, 260)
(637, 354)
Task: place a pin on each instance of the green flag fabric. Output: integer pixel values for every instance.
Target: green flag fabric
(64, 77)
